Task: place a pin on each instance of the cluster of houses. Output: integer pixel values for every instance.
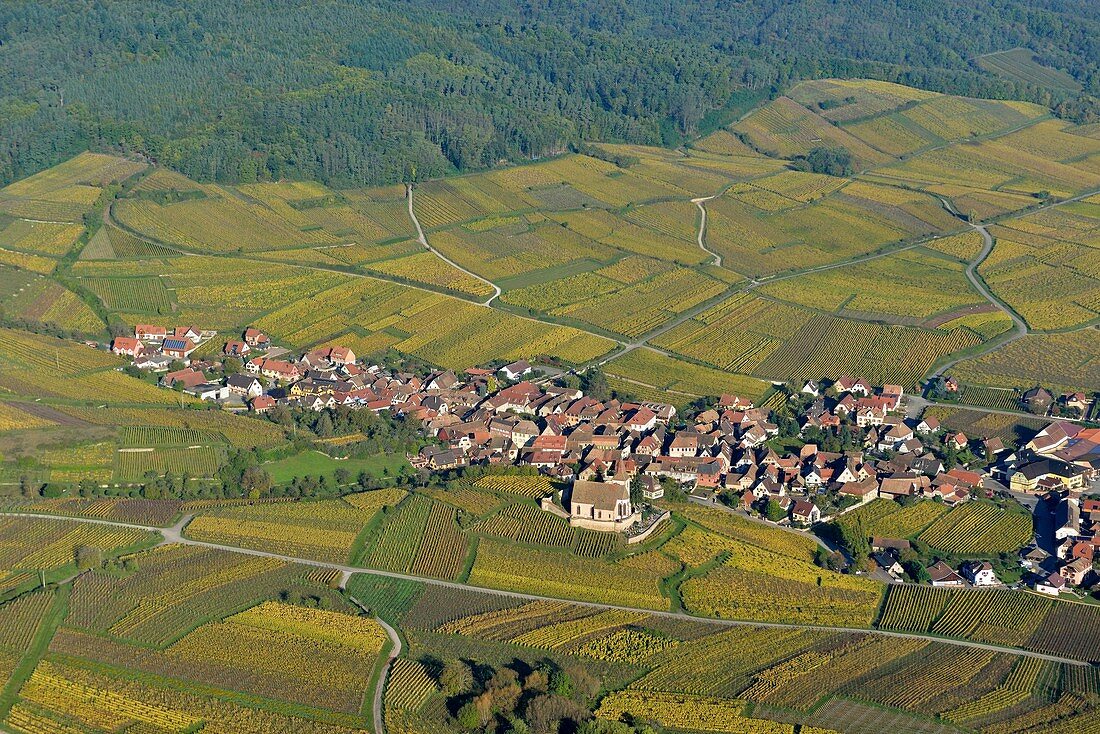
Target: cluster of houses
(155, 348)
(497, 417)
(1057, 464)
(1076, 519)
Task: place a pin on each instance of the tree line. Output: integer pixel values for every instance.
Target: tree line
(357, 92)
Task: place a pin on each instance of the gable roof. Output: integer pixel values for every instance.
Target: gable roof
(601, 495)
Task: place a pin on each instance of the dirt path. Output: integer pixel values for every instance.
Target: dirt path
(174, 534)
(424, 241)
(701, 236)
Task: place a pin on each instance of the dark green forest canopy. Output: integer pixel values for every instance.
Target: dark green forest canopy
(366, 91)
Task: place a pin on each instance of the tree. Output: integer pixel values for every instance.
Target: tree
(468, 717)
(53, 490)
(854, 535)
(774, 511)
(255, 482)
(456, 677)
(87, 556)
(594, 384)
(916, 571)
(545, 713)
(829, 161)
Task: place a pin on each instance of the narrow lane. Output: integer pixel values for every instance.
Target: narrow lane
(423, 240)
(701, 236)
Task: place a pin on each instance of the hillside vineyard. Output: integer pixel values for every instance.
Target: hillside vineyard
(415, 376)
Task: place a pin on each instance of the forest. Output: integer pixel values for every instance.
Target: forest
(354, 92)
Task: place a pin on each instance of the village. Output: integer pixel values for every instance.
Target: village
(834, 447)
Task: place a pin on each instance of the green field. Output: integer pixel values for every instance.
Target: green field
(317, 464)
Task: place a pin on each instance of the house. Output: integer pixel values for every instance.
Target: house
(253, 337)
(957, 441)
(887, 560)
(1038, 400)
(1052, 585)
(903, 486)
(811, 388)
(928, 425)
(1033, 556)
(893, 395)
(188, 332)
(127, 345)
(805, 512)
(155, 362)
(1076, 401)
(727, 401)
(1082, 549)
(869, 417)
(236, 349)
(516, 370)
(1077, 572)
(177, 347)
(1028, 477)
(149, 333)
(443, 459)
(853, 385)
(684, 444)
(862, 491)
(993, 446)
(274, 369)
(246, 386)
(641, 420)
(262, 403)
(980, 573)
(600, 505)
(1067, 519)
(967, 478)
(943, 575)
(652, 489)
(187, 377)
(1051, 439)
(341, 356)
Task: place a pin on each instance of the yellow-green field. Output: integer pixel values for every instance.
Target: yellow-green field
(588, 252)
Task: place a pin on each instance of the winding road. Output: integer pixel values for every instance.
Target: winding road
(174, 534)
(623, 347)
(701, 237)
(423, 240)
(1020, 328)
